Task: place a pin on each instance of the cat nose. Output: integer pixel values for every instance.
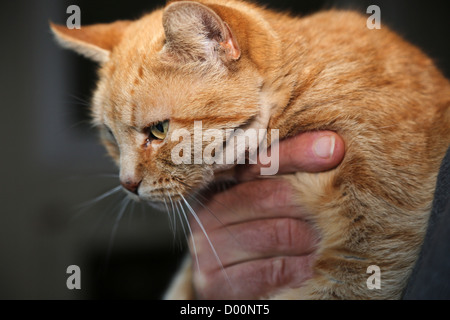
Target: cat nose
(131, 185)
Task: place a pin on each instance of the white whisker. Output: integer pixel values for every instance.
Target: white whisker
(90, 176)
(177, 203)
(179, 217)
(206, 207)
(83, 207)
(132, 209)
(214, 215)
(192, 235)
(229, 209)
(106, 210)
(119, 216)
(168, 214)
(100, 197)
(174, 217)
(108, 175)
(206, 236)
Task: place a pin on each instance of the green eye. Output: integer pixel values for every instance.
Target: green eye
(159, 130)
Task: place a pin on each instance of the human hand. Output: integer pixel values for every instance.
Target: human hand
(258, 233)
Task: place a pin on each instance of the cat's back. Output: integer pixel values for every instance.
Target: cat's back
(342, 37)
(338, 56)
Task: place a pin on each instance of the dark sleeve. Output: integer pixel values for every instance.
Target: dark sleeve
(431, 275)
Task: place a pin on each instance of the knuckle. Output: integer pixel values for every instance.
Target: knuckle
(277, 272)
(285, 233)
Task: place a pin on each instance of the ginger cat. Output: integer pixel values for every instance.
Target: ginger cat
(233, 64)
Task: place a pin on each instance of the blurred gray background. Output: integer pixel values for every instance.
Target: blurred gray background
(52, 165)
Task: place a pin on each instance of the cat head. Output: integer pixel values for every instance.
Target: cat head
(184, 63)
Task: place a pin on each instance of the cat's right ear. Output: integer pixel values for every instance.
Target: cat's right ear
(195, 31)
(94, 42)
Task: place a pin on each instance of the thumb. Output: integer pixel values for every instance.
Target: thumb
(309, 152)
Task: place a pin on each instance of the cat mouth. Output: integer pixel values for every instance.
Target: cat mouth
(165, 199)
(159, 195)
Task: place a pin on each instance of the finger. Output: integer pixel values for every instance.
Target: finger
(255, 279)
(254, 240)
(309, 152)
(247, 201)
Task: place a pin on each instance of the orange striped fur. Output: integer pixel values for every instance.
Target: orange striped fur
(234, 64)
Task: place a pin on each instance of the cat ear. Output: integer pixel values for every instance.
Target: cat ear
(94, 41)
(194, 31)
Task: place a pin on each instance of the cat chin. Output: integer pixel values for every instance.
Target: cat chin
(155, 204)
(158, 205)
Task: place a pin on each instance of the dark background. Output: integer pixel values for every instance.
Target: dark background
(51, 162)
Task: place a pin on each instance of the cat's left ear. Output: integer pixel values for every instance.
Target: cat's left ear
(195, 31)
(94, 42)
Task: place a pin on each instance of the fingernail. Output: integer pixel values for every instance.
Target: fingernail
(324, 147)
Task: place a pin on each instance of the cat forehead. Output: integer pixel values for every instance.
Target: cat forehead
(131, 105)
(139, 95)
